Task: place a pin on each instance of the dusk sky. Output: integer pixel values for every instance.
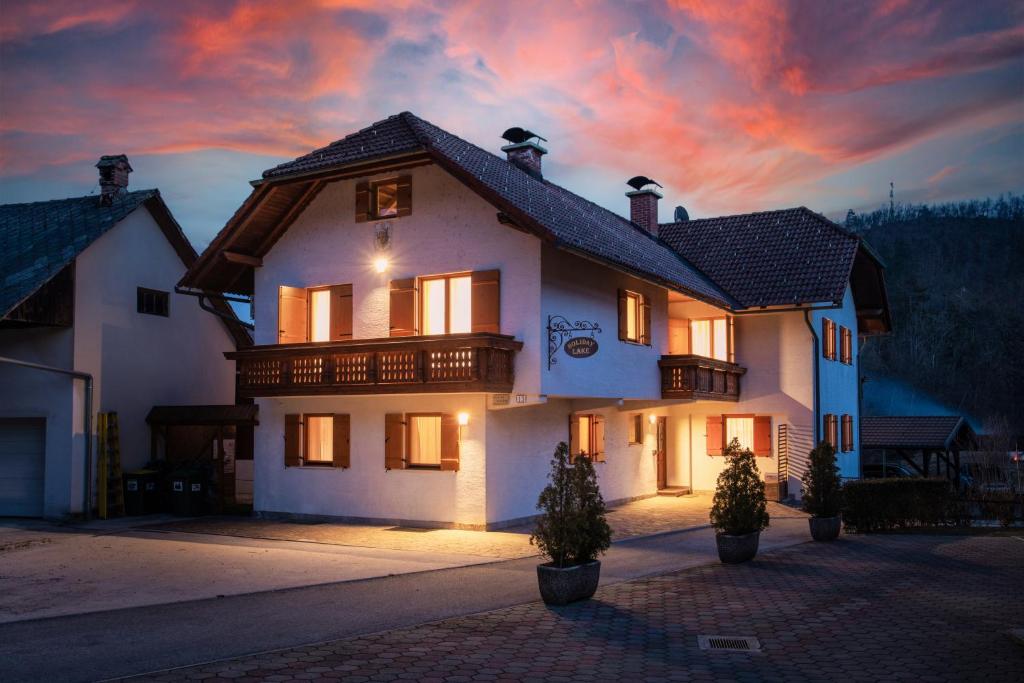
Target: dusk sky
(732, 106)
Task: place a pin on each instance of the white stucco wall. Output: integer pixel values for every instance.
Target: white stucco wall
(450, 229)
(367, 490)
(140, 360)
(839, 383)
(579, 289)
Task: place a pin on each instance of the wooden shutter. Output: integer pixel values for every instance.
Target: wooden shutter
(486, 298)
(292, 440)
(645, 307)
(763, 435)
(342, 440)
(404, 195)
(394, 441)
(574, 436)
(597, 438)
(449, 443)
(403, 308)
(715, 435)
(623, 315)
(341, 312)
(830, 431)
(362, 202)
(847, 433)
(292, 315)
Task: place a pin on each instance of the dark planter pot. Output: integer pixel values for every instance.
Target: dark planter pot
(562, 585)
(824, 528)
(736, 549)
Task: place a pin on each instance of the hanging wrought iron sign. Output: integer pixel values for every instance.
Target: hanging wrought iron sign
(577, 338)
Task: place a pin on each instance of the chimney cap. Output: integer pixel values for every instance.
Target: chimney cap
(517, 135)
(112, 160)
(638, 182)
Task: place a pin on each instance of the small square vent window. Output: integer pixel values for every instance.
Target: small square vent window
(152, 301)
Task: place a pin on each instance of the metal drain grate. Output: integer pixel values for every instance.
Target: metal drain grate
(729, 643)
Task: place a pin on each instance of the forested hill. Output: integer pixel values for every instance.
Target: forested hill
(955, 277)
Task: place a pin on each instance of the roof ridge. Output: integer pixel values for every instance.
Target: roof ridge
(119, 197)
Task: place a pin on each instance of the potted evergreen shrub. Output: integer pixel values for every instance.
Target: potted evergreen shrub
(739, 511)
(822, 493)
(571, 530)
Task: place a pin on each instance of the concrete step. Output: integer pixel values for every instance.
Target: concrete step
(674, 491)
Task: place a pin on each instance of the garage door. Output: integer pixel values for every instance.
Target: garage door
(22, 455)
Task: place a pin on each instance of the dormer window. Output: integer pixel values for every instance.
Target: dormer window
(383, 199)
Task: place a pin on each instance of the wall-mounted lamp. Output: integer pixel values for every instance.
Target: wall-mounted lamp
(652, 419)
(462, 417)
(381, 246)
(380, 264)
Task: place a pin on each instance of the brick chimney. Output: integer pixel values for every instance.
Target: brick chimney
(114, 170)
(643, 208)
(526, 155)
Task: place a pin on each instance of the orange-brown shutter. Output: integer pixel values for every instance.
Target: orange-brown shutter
(714, 434)
(403, 308)
(486, 298)
(292, 315)
(341, 312)
(362, 202)
(574, 436)
(342, 440)
(404, 195)
(645, 336)
(449, 443)
(597, 438)
(763, 435)
(292, 440)
(394, 441)
(623, 315)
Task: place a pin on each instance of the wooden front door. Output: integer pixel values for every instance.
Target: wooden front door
(662, 452)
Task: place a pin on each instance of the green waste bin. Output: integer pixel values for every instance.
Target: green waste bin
(188, 492)
(141, 492)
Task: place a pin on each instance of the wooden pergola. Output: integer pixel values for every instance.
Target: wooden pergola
(937, 438)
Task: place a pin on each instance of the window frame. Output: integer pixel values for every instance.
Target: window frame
(409, 464)
(636, 430)
(737, 416)
(729, 354)
(828, 342)
(304, 435)
(638, 322)
(374, 208)
(154, 295)
(420, 293)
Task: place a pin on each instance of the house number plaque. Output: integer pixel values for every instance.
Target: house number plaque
(577, 338)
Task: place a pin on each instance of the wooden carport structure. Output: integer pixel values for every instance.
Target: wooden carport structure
(938, 438)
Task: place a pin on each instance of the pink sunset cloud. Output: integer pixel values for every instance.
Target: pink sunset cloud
(735, 106)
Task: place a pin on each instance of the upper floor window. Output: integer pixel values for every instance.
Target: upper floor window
(711, 338)
(152, 301)
(381, 199)
(314, 314)
(446, 304)
(845, 345)
(634, 317)
(828, 339)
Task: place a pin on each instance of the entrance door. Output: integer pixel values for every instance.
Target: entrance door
(662, 452)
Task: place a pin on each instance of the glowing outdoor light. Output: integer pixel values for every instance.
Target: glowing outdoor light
(380, 264)
(652, 419)
(463, 418)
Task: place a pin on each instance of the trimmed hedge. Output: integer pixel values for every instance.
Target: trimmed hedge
(899, 503)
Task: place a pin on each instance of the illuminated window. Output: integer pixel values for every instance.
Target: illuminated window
(319, 438)
(634, 313)
(586, 436)
(446, 305)
(710, 338)
(741, 428)
(424, 440)
(586, 421)
(386, 199)
(320, 315)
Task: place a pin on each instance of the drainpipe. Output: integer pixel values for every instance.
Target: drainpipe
(87, 503)
(817, 383)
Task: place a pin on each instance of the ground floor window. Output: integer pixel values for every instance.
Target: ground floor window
(586, 436)
(424, 440)
(754, 433)
(317, 439)
(741, 428)
(636, 430)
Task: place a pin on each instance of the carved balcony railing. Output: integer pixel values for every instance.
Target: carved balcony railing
(697, 377)
(452, 363)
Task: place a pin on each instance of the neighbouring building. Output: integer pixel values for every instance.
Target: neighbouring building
(432, 319)
(87, 285)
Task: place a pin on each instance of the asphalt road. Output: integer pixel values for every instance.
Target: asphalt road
(118, 643)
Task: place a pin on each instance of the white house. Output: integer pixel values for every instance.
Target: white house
(432, 319)
(88, 287)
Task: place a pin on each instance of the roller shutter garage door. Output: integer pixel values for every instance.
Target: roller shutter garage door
(22, 458)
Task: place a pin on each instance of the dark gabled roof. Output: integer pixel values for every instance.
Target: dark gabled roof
(37, 240)
(771, 258)
(553, 213)
(938, 432)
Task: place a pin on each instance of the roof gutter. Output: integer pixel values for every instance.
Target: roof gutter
(87, 426)
(202, 296)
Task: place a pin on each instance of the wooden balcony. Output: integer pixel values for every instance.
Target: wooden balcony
(398, 365)
(700, 378)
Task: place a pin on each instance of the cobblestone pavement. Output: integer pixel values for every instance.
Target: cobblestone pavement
(639, 518)
(922, 608)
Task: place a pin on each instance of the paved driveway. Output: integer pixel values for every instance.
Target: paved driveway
(860, 609)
